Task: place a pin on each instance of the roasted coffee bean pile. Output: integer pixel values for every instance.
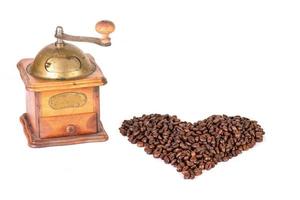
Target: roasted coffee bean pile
(192, 147)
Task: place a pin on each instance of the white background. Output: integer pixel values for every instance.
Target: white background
(189, 58)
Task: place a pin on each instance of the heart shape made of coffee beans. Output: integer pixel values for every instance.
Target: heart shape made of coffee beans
(192, 147)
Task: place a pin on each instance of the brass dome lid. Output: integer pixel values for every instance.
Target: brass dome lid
(61, 61)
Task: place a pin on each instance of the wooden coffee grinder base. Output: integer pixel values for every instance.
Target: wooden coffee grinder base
(62, 112)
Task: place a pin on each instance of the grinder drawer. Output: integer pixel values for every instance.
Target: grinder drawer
(68, 125)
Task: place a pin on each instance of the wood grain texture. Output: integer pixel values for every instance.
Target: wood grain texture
(37, 142)
(32, 108)
(97, 102)
(57, 126)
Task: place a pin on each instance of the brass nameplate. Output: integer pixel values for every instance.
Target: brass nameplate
(67, 100)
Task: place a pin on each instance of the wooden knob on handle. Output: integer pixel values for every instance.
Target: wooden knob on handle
(105, 28)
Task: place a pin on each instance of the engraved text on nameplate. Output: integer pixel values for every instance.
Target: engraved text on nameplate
(67, 100)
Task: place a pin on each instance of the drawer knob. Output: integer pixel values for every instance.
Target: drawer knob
(71, 129)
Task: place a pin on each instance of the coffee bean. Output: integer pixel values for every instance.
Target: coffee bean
(166, 159)
(140, 144)
(192, 147)
(179, 168)
(209, 165)
(148, 150)
(157, 152)
(186, 174)
(197, 171)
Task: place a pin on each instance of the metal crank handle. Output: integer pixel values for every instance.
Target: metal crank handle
(104, 27)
